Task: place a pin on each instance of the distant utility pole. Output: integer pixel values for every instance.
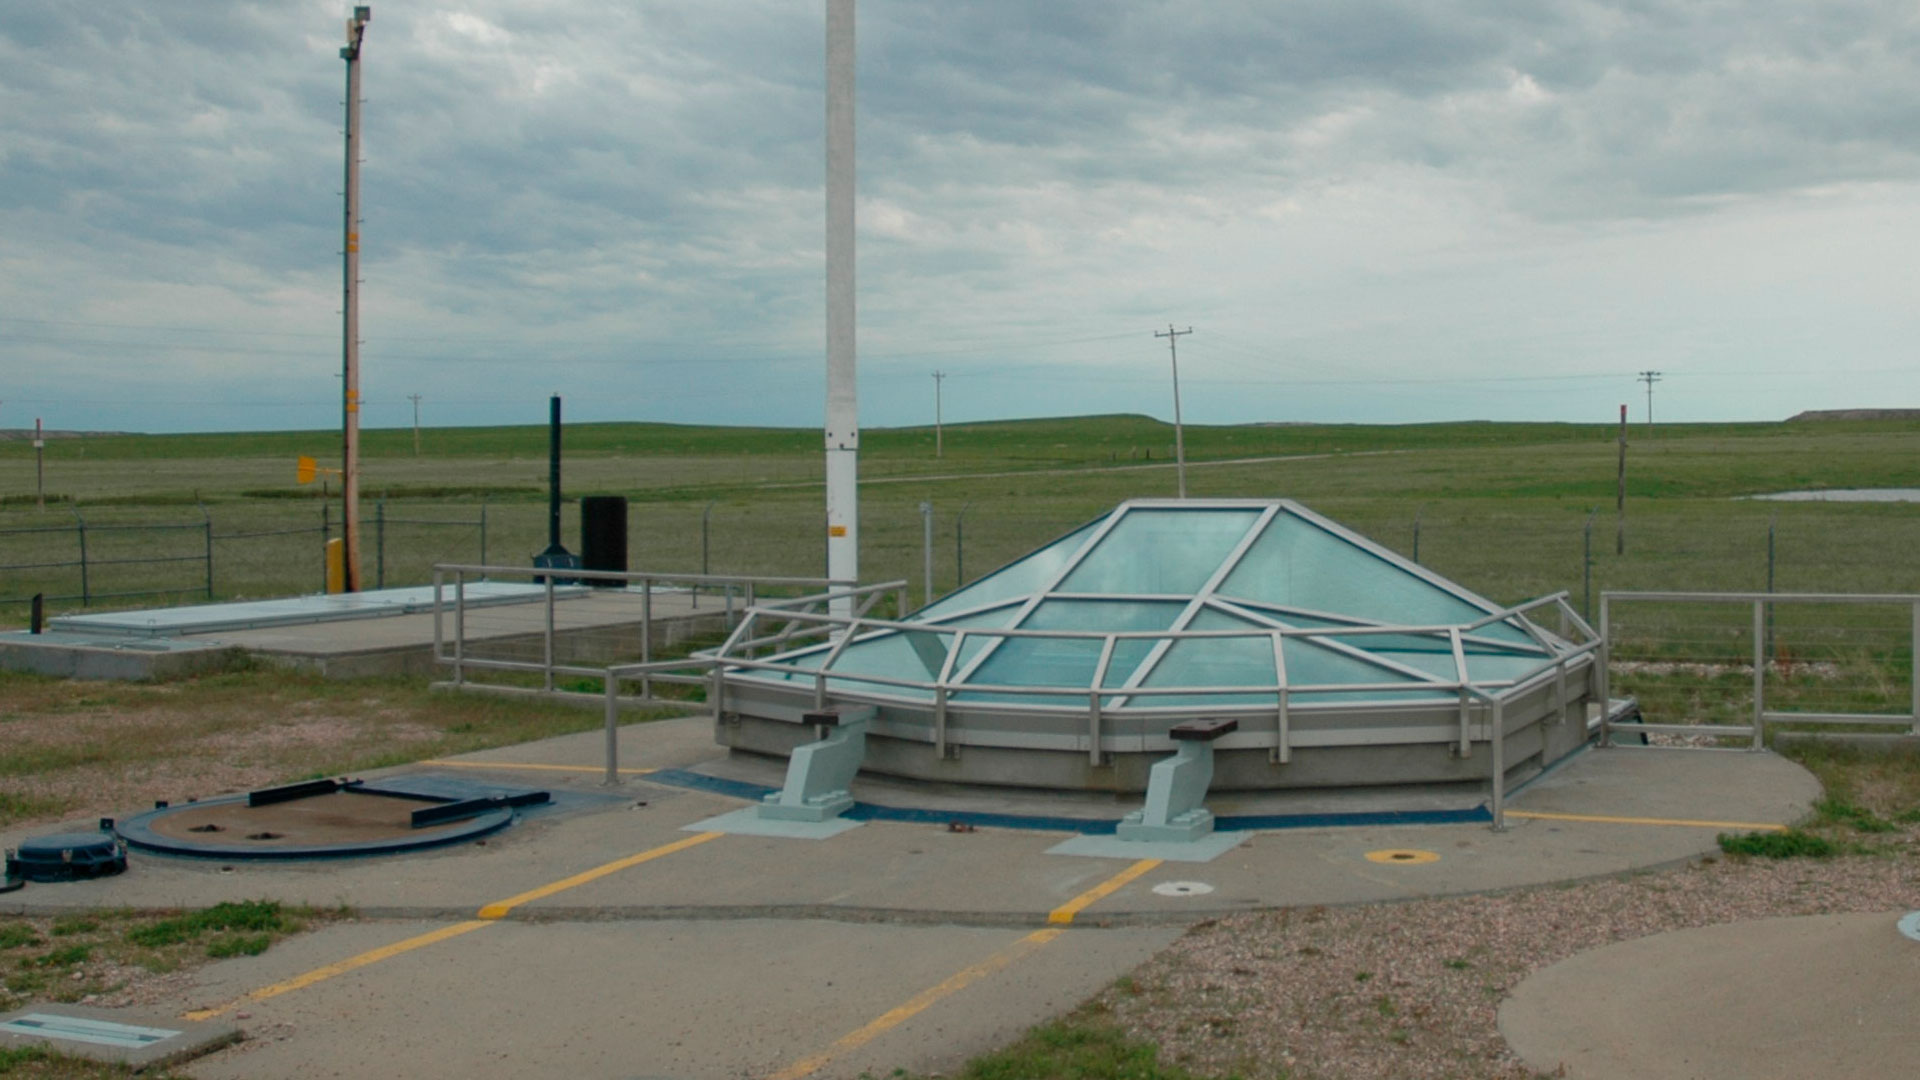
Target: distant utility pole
(1649, 377)
(350, 311)
(937, 449)
(1620, 492)
(1179, 438)
(39, 465)
(415, 398)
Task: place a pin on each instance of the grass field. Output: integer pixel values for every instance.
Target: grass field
(1501, 507)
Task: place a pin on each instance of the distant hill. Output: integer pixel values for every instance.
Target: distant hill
(1856, 414)
(15, 434)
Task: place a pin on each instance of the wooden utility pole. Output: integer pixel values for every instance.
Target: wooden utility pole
(1649, 377)
(350, 312)
(39, 465)
(1620, 492)
(415, 398)
(1179, 438)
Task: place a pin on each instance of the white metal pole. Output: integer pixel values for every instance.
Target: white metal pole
(843, 409)
(350, 310)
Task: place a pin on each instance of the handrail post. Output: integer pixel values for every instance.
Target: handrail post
(1093, 727)
(1603, 670)
(940, 722)
(1499, 764)
(459, 626)
(547, 637)
(1282, 721)
(646, 635)
(1914, 650)
(1759, 673)
(611, 684)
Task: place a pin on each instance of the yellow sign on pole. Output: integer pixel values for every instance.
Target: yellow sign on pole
(304, 468)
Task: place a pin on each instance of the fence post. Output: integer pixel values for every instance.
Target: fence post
(326, 534)
(1417, 511)
(1586, 568)
(86, 593)
(926, 549)
(960, 546)
(1759, 673)
(380, 543)
(207, 525)
(483, 532)
(1771, 522)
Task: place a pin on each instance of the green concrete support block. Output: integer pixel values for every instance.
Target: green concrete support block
(819, 773)
(1177, 788)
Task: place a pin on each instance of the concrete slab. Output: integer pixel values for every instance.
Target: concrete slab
(138, 1040)
(95, 656)
(1824, 995)
(748, 822)
(1205, 849)
(689, 1000)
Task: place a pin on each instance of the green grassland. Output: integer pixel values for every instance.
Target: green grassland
(1501, 507)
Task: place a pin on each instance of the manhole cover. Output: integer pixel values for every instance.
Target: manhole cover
(1402, 856)
(326, 818)
(1183, 888)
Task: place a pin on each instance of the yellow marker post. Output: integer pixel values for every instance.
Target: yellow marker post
(336, 565)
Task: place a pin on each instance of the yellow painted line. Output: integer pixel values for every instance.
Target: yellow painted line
(1756, 826)
(1064, 914)
(499, 909)
(487, 917)
(919, 1002)
(322, 974)
(535, 768)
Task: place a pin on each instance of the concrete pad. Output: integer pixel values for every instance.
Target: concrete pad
(748, 822)
(689, 1000)
(1205, 849)
(1823, 995)
(136, 1040)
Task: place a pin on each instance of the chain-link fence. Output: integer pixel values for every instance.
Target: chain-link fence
(1510, 550)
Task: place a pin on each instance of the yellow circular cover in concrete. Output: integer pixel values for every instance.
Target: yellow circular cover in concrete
(1402, 856)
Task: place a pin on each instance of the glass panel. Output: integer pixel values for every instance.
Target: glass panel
(1028, 661)
(1309, 664)
(994, 620)
(1103, 615)
(1160, 551)
(1018, 578)
(1303, 565)
(1202, 662)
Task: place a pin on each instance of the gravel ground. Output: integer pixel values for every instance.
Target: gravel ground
(1412, 990)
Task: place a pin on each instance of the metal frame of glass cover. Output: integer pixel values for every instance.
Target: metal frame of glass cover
(1166, 609)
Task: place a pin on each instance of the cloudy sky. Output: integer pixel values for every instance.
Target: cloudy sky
(1375, 210)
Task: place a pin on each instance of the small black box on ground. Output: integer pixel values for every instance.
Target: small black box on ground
(603, 537)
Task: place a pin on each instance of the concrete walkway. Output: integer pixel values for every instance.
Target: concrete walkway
(611, 940)
(1808, 996)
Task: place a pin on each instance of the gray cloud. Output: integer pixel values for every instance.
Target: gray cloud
(584, 185)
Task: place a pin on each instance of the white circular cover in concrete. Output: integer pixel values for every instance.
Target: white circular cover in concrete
(1806, 996)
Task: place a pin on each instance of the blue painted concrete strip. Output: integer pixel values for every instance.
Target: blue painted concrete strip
(1087, 826)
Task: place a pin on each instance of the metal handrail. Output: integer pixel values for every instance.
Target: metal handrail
(1755, 729)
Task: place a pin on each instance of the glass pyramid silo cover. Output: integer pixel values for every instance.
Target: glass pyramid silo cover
(1177, 603)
